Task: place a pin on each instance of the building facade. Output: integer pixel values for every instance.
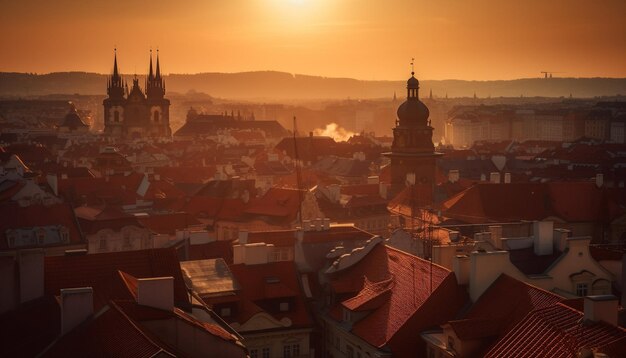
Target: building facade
(131, 114)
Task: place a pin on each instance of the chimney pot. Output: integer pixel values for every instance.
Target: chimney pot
(76, 307)
(601, 308)
(157, 292)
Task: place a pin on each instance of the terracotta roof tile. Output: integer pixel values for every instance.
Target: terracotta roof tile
(100, 271)
(557, 331)
(413, 304)
(110, 334)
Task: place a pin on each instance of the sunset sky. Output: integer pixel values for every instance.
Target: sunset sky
(364, 39)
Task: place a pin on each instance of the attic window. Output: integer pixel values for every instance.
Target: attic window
(284, 306)
(225, 312)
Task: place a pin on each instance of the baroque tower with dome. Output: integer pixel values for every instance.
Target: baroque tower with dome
(131, 114)
(413, 156)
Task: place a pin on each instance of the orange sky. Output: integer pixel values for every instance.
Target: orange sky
(365, 39)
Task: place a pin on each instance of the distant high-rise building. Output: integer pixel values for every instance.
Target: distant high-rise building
(131, 114)
(413, 156)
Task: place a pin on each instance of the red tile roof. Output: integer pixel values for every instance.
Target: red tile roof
(415, 196)
(168, 223)
(110, 334)
(15, 217)
(485, 202)
(557, 331)
(93, 219)
(504, 304)
(30, 328)
(278, 203)
(254, 279)
(412, 304)
(100, 271)
(371, 296)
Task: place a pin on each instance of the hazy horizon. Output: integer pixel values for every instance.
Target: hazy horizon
(367, 40)
(310, 75)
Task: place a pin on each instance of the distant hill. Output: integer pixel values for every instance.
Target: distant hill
(272, 85)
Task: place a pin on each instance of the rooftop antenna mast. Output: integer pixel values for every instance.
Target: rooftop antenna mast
(298, 173)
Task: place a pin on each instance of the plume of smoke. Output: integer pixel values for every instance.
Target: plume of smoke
(334, 131)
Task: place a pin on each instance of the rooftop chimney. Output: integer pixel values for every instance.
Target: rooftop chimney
(326, 224)
(373, 179)
(543, 237)
(243, 236)
(410, 179)
(30, 263)
(599, 180)
(453, 176)
(601, 308)
(8, 294)
(157, 292)
(76, 307)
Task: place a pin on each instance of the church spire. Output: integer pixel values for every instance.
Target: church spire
(115, 73)
(151, 74)
(114, 83)
(158, 68)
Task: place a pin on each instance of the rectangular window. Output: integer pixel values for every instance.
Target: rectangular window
(284, 306)
(265, 353)
(103, 244)
(581, 289)
(254, 353)
(287, 351)
(295, 350)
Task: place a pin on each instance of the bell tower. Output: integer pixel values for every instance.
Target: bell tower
(413, 156)
(115, 102)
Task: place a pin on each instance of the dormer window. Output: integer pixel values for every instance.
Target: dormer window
(41, 235)
(65, 234)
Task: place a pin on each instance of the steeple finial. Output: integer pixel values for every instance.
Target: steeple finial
(115, 72)
(151, 73)
(412, 66)
(158, 68)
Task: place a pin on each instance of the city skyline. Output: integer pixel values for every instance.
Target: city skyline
(365, 40)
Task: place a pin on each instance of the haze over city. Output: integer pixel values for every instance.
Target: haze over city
(363, 39)
(313, 178)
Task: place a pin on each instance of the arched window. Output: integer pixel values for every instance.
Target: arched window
(116, 116)
(156, 116)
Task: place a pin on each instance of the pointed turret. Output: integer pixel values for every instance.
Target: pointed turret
(115, 73)
(115, 86)
(155, 86)
(158, 67)
(151, 74)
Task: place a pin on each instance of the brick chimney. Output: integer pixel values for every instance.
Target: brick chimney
(76, 307)
(543, 237)
(30, 266)
(453, 176)
(156, 292)
(601, 308)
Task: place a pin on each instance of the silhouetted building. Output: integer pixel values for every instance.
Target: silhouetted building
(413, 156)
(133, 114)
